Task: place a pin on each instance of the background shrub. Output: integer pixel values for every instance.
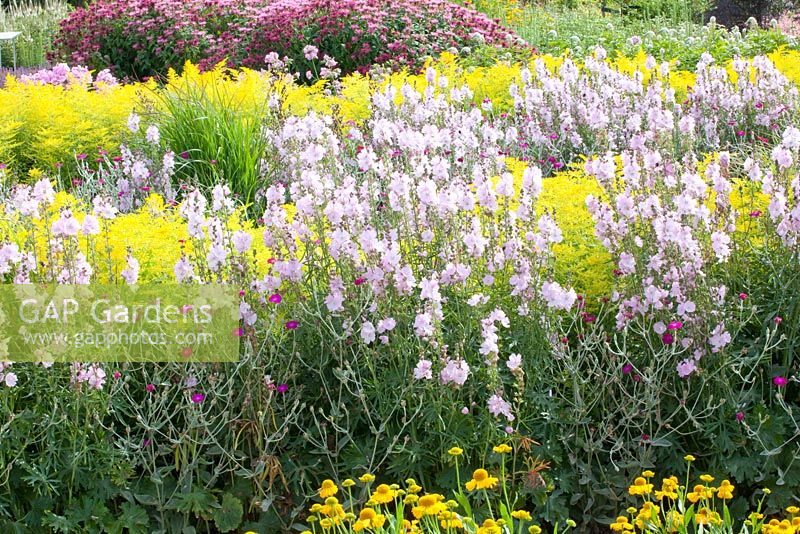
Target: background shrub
(360, 33)
(145, 37)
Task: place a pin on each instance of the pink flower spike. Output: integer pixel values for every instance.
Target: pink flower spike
(780, 381)
(292, 325)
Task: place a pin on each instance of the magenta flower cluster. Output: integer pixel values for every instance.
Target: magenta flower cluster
(146, 37)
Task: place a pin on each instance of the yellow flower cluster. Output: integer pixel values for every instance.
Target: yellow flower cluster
(44, 125)
(676, 508)
(390, 508)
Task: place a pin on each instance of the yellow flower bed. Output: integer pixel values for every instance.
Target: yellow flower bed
(50, 124)
(155, 234)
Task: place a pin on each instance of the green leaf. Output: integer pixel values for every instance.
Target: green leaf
(197, 502)
(464, 502)
(133, 520)
(504, 513)
(229, 516)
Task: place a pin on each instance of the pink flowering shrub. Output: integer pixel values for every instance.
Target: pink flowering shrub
(361, 33)
(145, 37)
(141, 38)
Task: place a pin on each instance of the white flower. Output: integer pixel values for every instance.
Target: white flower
(133, 122)
(131, 273)
(90, 225)
(310, 52)
(514, 362)
(368, 332)
(423, 370)
(719, 338)
(454, 372)
(242, 241)
(153, 136)
(10, 379)
(498, 406)
(557, 297)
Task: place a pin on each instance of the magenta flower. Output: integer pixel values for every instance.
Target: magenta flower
(742, 296)
(627, 368)
(283, 388)
(238, 332)
(358, 281)
(292, 325)
(740, 416)
(150, 388)
(117, 374)
(755, 213)
(197, 398)
(668, 339)
(778, 319)
(780, 381)
(275, 298)
(675, 325)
